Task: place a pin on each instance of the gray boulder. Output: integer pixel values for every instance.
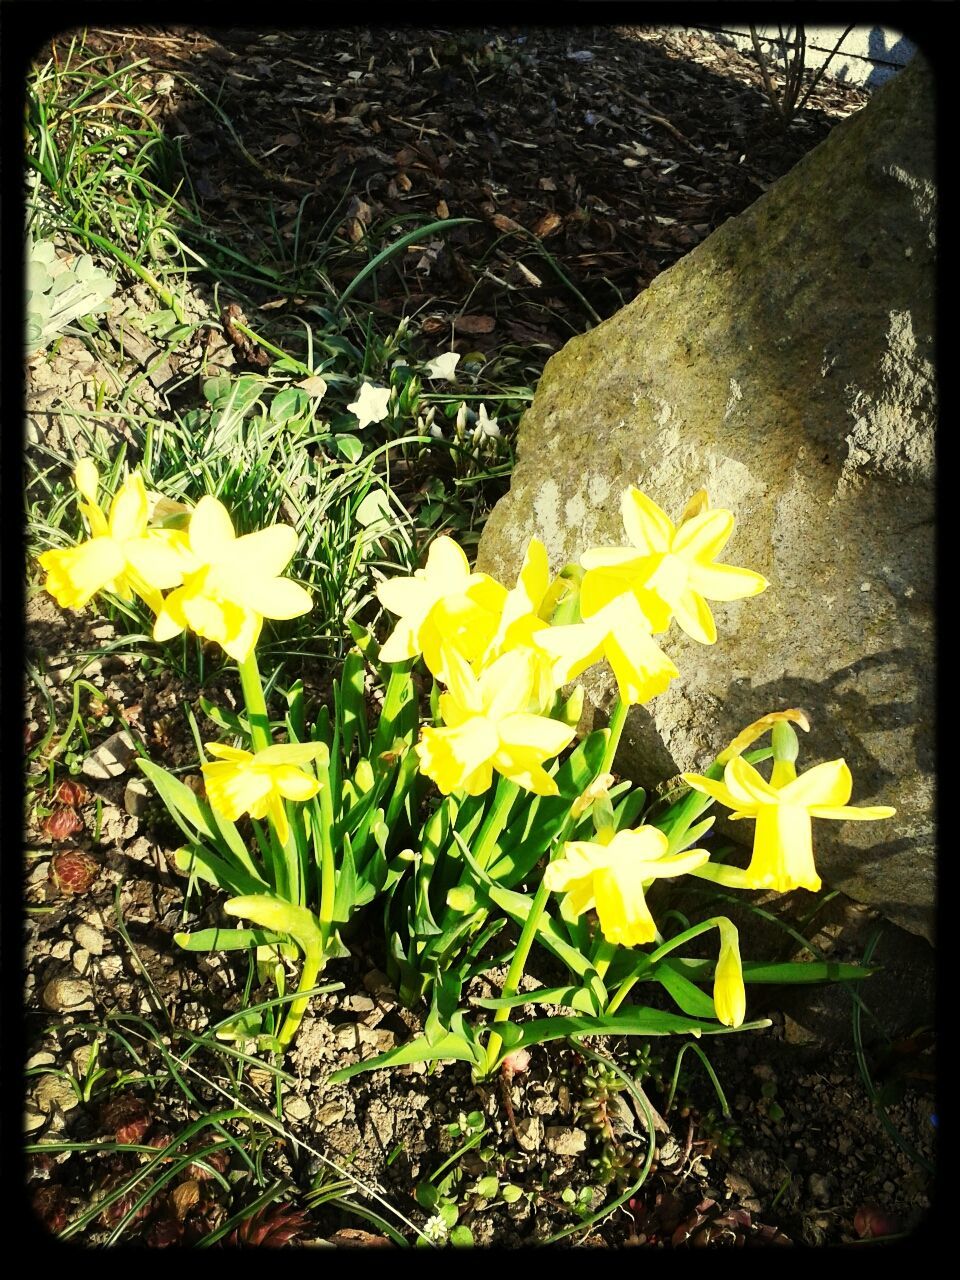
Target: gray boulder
(786, 365)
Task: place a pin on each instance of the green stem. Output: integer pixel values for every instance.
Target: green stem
(255, 702)
(618, 718)
(312, 964)
(494, 823)
(515, 973)
(328, 877)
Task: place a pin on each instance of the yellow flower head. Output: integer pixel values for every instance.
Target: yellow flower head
(231, 583)
(729, 993)
(783, 809)
(619, 632)
(242, 782)
(123, 555)
(612, 878)
(489, 726)
(669, 568)
(442, 602)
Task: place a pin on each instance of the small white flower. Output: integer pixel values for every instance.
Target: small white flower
(461, 422)
(486, 428)
(435, 1229)
(371, 405)
(443, 366)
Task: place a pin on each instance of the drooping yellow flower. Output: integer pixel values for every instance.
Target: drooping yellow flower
(489, 726)
(123, 555)
(243, 782)
(232, 583)
(783, 809)
(612, 877)
(471, 605)
(729, 993)
(669, 568)
(619, 632)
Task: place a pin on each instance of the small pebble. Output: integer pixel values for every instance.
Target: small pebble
(80, 960)
(112, 758)
(565, 1142)
(90, 939)
(54, 1091)
(530, 1133)
(137, 798)
(331, 1112)
(297, 1109)
(65, 993)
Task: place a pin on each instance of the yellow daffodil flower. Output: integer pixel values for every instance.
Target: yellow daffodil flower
(123, 555)
(489, 726)
(467, 622)
(232, 583)
(619, 632)
(783, 809)
(670, 569)
(729, 993)
(612, 878)
(242, 782)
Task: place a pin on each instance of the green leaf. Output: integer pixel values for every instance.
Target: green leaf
(449, 1214)
(487, 1188)
(511, 1193)
(351, 703)
(345, 895)
(449, 1047)
(637, 1021)
(227, 939)
(786, 974)
(426, 1195)
(283, 917)
(685, 995)
(411, 237)
(582, 999)
(461, 1237)
(348, 447)
(198, 860)
(289, 403)
(181, 801)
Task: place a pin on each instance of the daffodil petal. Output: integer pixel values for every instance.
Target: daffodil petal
(236, 755)
(648, 526)
(450, 756)
(641, 668)
(609, 557)
(783, 850)
(87, 479)
(694, 617)
(293, 784)
(76, 574)
(852, 813)
(506, 686)
(283, 753)
(712, 787)
(829, 784)
(410, 598)
(726, 581)
(270, 597)
(625, 918)
(539, 734)
(747, 785)
(211, 529)
(156, 560)
(278, 816)
(703, 537)
(234, 789)
(447, 564)
(128, 511)
(400, 644)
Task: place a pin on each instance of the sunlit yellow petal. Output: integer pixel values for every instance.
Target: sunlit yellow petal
(694, 617)
(128, 511)
(625, 918)
(525, 769)
(450, 756)
(270, 597)
(641, 668)
(540, 734)
(829, 784)
(293, 784)
(853, 813)
(224, 752)
(703, 537)
(410, 598)
(400, 644)
(507, 685)
(76, 574)
(211, 529)
(712, 787)
(263, 554)
(278, 816)
(87, 479)
(783, 850)
(156, 560)
(447, 564)
(234, 789)
(747, 785)
(729, 994)
(648, 526)
(726, 581)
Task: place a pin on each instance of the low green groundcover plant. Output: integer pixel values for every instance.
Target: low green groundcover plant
(476, 818)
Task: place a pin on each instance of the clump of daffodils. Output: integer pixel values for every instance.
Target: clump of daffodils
(500, 657)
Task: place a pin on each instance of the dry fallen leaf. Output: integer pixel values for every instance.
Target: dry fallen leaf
(546, 225)
(474, 324)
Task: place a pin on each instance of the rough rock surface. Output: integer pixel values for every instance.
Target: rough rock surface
(785, 364)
